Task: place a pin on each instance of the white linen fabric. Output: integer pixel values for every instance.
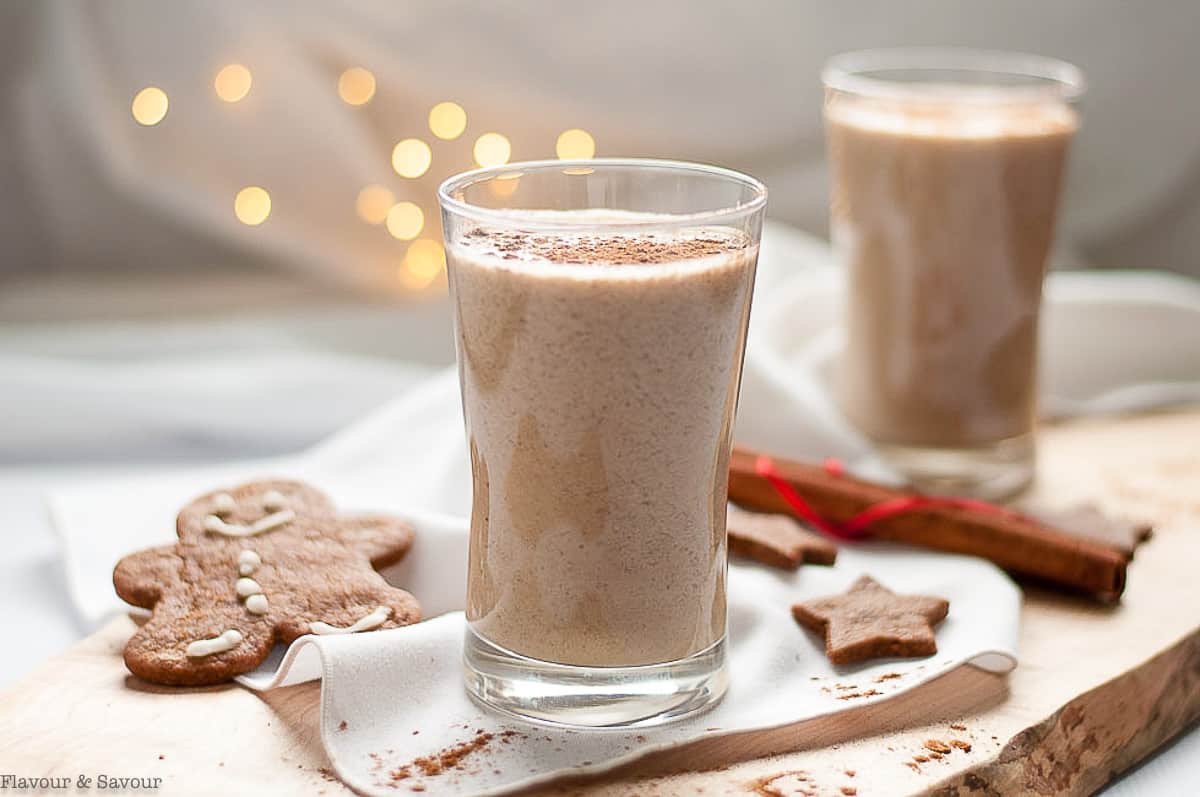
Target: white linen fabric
(409, 458)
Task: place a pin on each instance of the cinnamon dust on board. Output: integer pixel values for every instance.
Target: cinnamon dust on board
(937, 749)
(799, 784)
(853, 695)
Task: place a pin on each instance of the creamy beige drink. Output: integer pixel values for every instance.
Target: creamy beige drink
(599, 375)
(943, 213)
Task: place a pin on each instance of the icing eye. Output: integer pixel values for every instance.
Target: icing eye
(274, 501)
(223, 503)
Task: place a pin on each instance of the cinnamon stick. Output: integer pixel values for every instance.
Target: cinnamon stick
(1020, 544)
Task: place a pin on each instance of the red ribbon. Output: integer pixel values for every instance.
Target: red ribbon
(857, 526)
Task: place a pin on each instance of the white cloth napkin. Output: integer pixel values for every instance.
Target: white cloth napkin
(385, 686)
(1143, 349)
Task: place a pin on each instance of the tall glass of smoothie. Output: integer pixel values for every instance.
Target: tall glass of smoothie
(600, 313)
(946, 167)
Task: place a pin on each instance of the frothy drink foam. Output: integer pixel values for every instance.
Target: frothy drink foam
(943, 215)
(599, 374)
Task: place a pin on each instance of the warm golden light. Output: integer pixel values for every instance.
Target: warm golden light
(575, 144)
(447, 120)
(149, 106)
(405, 221)
(505, 185)
(233, 82)
(356, 86)
(411, 157)
(252, 205)
(492, 149)
(423, 263)
(373, 204)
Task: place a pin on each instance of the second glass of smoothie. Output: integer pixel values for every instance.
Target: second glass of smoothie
(946, 168)
(600, 320)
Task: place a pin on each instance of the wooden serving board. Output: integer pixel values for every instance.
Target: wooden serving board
(1098, 688)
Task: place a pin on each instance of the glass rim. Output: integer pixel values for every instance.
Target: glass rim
(850, 73)
(510, 217)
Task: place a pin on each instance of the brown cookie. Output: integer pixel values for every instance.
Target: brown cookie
(262, 563)
(776, 540)
(1088, 520)
(870, 621)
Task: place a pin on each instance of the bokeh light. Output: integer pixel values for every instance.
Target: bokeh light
(252, 205)
(356, 86)
(492, 149)
(233, 82)
(373, 204)
(447, 120)
(575, 144)
(411, 157)
(149, 106)
(405, 221)
(505, 185)
(424, 262)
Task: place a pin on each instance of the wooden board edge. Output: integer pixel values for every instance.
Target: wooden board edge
(1071, 753)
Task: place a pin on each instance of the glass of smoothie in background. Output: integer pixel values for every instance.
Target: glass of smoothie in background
(600, 320)
(946, 168)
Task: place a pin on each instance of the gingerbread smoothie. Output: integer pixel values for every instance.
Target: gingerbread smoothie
(600, 374)
(946, 167)
(944, 217)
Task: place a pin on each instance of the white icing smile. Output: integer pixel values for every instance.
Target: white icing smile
(218, 644)
(366, 623)
(216, 525)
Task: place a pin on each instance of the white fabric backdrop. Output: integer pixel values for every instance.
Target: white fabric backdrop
(88, 189)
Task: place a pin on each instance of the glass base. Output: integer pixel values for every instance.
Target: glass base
(992, 473)
(593, 697)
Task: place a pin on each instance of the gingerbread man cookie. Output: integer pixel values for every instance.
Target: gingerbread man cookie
(262, 563)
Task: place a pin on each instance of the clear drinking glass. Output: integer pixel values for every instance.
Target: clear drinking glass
(600, 322)
(946, 167)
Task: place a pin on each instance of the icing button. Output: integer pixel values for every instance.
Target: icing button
(246, 587)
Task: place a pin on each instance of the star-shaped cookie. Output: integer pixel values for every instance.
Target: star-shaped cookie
(870, 621)
(776, 540)
(1089, 520)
